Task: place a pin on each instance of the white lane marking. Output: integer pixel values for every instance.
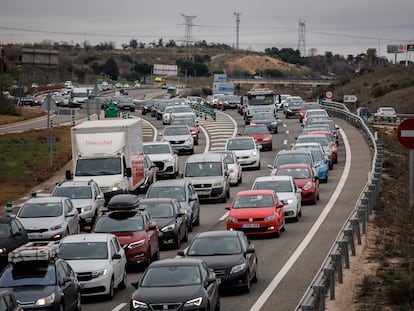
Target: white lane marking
(224, 216)
(207, 147)
(119, 307)
(154, 138)
(292, 259)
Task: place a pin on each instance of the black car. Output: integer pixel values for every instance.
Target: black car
(12, 235)
(229, 253)
(41, 281)
(124, 103)
(8, 301)
(171, 220)
(177, 284)
(147, 106)
(363, 112)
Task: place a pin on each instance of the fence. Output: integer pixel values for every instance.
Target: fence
(356, 225)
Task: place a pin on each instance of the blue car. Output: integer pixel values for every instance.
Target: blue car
(321, 160)
(265, 118)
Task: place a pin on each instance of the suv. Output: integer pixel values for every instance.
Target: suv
(180, 137)
(209, 174)
(98, 260)
(40, 280)
(164, 158)
(86, 196)
(135, 229)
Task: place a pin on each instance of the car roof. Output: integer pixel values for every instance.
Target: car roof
(170, 182)
(176, 262)
(255, 192)
(87, 237)
(287, 152)
(46, 200)
(209, 156)
(272, 178)
(218, 233)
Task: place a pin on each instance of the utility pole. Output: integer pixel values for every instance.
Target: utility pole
(188, 32)
(1, 70)
(301, 40)
(237, 28)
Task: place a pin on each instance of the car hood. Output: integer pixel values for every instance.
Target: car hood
(244, 153)
(160, 157)
(41, 222)
(81, 202)
(221, 261)
(256, 212)
(176, 137)
(170, 294)
(86, 265)
(29, 294)
(162, 222)
(204, 179)
(285, 195)
(129, 237)
(300, 182)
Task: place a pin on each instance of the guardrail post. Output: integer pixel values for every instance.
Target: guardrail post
(350, 235)
(367, 202)
(337, 259)
(320, 289)
(307, 308)
(343, 244)
(9, 209)
(362, 215)
(330, 273)
(355, 226)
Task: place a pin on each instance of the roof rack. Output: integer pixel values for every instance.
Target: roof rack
(34, 251)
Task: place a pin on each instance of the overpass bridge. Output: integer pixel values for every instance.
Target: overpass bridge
(286, 82)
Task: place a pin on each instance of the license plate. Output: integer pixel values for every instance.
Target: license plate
(251, 226)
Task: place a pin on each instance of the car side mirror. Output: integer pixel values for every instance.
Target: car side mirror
(181, 253)
(116, 256)
(227, 207)
(135, 284)
(280, 204)
(128, 172)
(152, 226)
(17, 233)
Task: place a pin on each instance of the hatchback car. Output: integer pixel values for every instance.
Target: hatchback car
(98, 260)
(183, 191)
(86, 196)
(235, 170)
(179, 284)
(287, 191)
(293, 157)
(319, 156)
(124, 103)
(49, 218)
(322, 140)
(305, 179)
(229, 253)
(136, 231)
(246, 150)
(171, 219)
(256, 212)
(268, 119)
(260, 134)
(180, 137)
(12, 235)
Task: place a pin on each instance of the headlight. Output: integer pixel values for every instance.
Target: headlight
(232, 219)
(136, 244)
(307, 186)
(218, 184)
(46, 300)
(238, 268)
(97, 274)
(269, 218)
(168, 228)
(86, 208)
(3, 250)
(57, 227)
(288, 201)
(254, 153)
(116, 186)
(274, 123)
(194, 302)
(138, 304)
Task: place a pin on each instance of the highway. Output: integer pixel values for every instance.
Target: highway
(286, 264)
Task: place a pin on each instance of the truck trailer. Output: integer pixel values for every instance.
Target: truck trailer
(109, 152)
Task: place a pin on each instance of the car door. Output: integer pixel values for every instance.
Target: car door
(210, 287)
(18, 233)
(180, 220)
(98, 198)
(68, 284)
(71, 216)
(192, 200)
(250, 257)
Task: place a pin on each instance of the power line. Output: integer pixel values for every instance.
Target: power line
(301, 40)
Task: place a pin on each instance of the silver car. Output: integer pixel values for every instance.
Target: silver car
(49, 218)
(180, 137)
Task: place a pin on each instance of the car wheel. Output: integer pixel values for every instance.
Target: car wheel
(217, 308)
(177, 242)
(110, 295)
(255, 276)
(228, 194)
(300, 213)
(123, 283)
(224, 198)
(283, 229)
(149, 257)
(197, 221)
(246, 287)
(185, 239)
(277, 234)
(61, 307)
(276, 131)
(258, 167)
(240, 179)
(156, 255)
(78, 306)
(190, 225)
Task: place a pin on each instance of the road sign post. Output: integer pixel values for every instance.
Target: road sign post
(406, 138)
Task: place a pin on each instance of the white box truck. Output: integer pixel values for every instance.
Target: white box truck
(109, 152)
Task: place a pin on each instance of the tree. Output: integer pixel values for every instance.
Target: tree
(160, 43)
(133, 44)
(110, 68)
(170, 44)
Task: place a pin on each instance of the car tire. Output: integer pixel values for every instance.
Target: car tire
(123, 283)
(185, 239)
(217, 307)
(156, 256)
(224, 198)
(197, 221)
(61, 307)
(276, 130)
(110, 295)
(177, 242)
(228, 194)
(78, 306)
(246, 287)
(190, 226)
(255, 278)
(240, 180)
(258, 167)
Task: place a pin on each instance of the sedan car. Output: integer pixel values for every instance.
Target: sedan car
(183, 191)
(385, 114)
(256, 212)
(49, 218)
(229, 253)
(136, 231)
(305, 179)
(180, 137)
(125, 103)
(12, 235)
(229, 102)
(246, 151)
(171, 219)
(260, 134)
(178, 284)
(287, 191)
(99, 261)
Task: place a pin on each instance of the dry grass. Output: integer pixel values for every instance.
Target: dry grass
(26, 113)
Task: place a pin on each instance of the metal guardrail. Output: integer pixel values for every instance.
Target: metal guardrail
(203, 111)
(337, 259)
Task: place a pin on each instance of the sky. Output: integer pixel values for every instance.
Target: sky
(341, 27)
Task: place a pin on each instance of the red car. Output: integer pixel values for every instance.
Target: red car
(260, 134)
(305, 107)
(304, 178)
(256, 212)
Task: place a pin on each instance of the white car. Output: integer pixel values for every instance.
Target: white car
(235, 175)
(385, 114)
(286, 190)
(246, 150)
(164, 158)
(98, 260)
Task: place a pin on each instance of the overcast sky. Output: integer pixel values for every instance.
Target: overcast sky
(341, 27)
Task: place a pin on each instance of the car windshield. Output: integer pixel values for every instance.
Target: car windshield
(313, 139)
(189, 122)
(173, 192)
(38, 210)
(316, 153)
(297, 173)
(158, 210)
(252, 130)
(240, 144)
(73, 192)
(310, 106)
(4, 231)
(157, 149)
(98, 166)
(253, 201)
(175, 275)
(293, 159)
(261, 116)
(173, 131)
(180, 109)
(119, 222)
(28, 273)
(200, 169)
(83, 250)
(275, 185)
(213, 246)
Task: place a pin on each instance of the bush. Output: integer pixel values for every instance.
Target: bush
(380, 91)
(8, 108)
